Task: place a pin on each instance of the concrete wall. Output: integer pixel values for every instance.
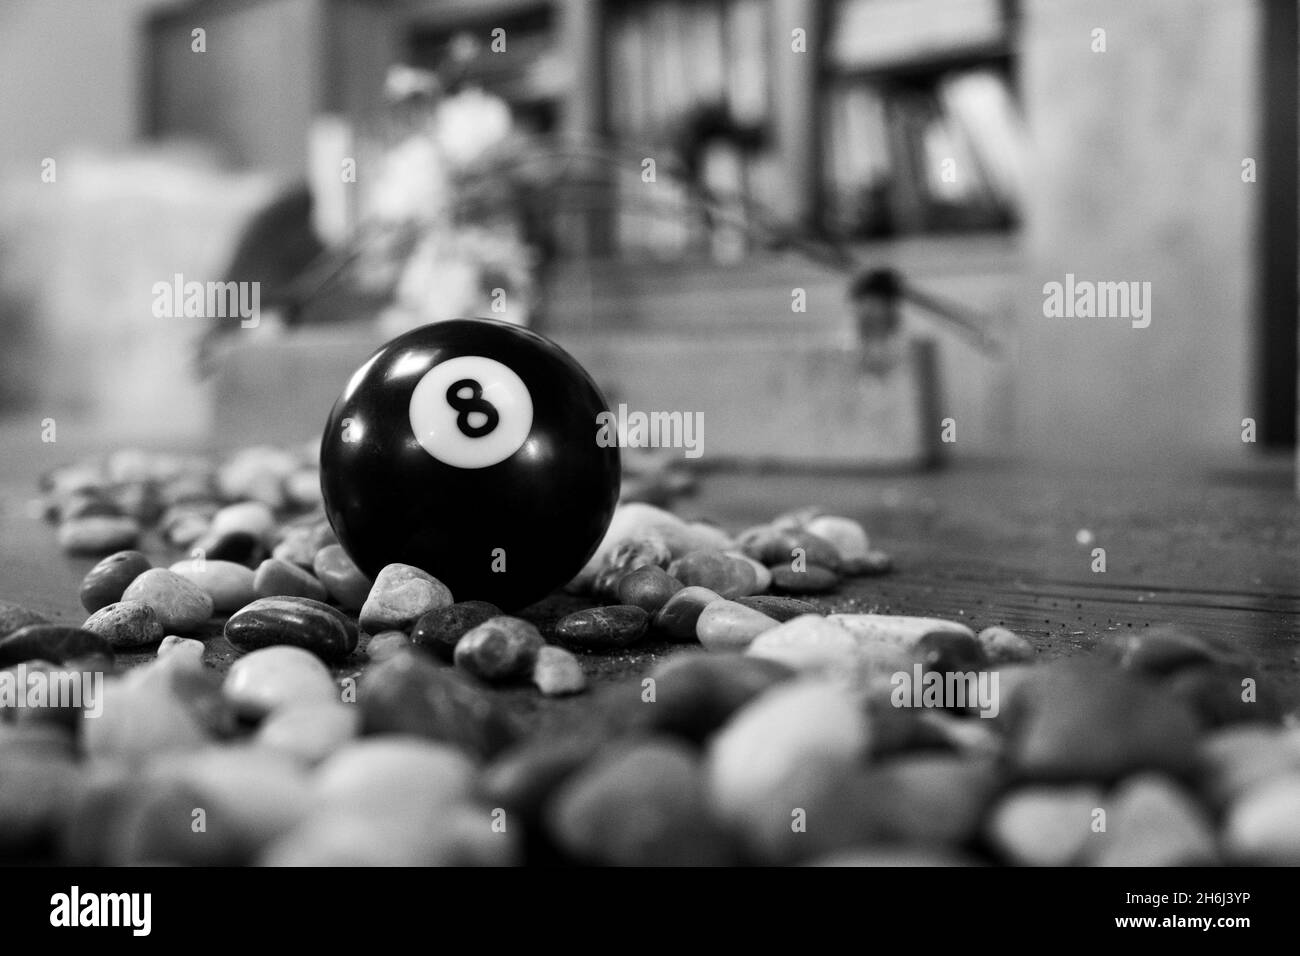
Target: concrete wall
(71, 75)
(1137, 176)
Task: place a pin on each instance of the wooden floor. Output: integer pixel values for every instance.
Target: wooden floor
(1215, 552)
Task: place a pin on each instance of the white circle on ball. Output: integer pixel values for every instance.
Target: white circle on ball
(480, 422)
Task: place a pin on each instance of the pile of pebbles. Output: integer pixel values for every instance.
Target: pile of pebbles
(768, 733)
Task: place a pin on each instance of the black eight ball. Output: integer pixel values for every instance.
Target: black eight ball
(468, 449)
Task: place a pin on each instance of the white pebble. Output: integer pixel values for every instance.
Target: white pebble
(1004, 646)
(310, 732)
(1264, 825)
(273, 677)
(246, 517)
(896, 629)
(395, 775)
(755, 752)
(230, 585)
(808, 643)
(183, 651)
(558, 672)
(728, 626)
(1044, 826)
(849, 537)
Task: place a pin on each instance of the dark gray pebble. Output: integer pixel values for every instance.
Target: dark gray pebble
(602, 628)
(1219, 693)
(409, 694)
(814, 579)
(778, 608)
(437, 631)
(301, 622)
(781, 548)
(523, 777)
(1080, 720)
(640, 805)
(695, 693)
(237, 546)
(648, 587)
(105, 583)
(676, 620)
(1164, 649)
(500, 649)
(52, 642)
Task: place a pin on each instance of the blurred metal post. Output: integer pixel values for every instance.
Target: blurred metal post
(1278, 301)
(586, 229)
(793, 89)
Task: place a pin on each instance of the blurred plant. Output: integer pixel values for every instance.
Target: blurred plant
(438, 255)
(460, 212)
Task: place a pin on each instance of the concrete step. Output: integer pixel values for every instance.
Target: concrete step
(762, 399)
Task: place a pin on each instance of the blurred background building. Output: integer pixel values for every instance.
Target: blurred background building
(978, 148)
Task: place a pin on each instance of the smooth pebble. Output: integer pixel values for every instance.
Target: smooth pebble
(696, 692)
(278, 578)
(1151, 821)
(556, 672)
(237, 546)
(386, 644)
(126, 624)
(104, 583)
(813, 579)
(229, 585)
(341, 577)
(1237, 759)
(901, 631)
(1264, 825)
(676, 620)
(98, 534)
(309, 732)
(643, 805)
(400, 595)
(789, 548)
(648, 587)
(404, 776)
(1044, 825)
(156, 709)
(181, 605)
(300, 622)
(55, 643)
(410, 694)
(847, 536)
(500, 649)
(1005, 646)
(273, 677)
(809, 644)
(729, 577)
(1084, 721)
(438, 631)
(748, 759)
(728, 626)
(253, 518)
(602, 628)
(183, 651)
(778, 608)
(761, 571)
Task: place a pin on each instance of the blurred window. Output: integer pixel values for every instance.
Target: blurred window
(688, 83)
(920, 128)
